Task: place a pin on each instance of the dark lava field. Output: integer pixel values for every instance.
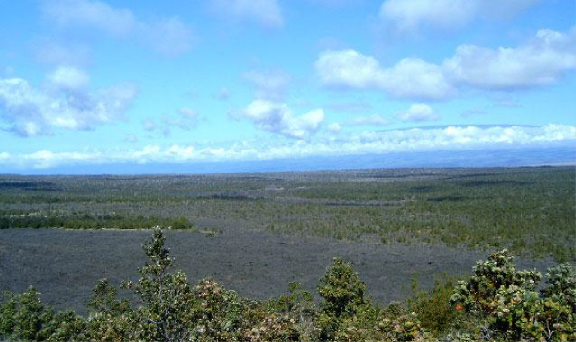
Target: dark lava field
(64, 265)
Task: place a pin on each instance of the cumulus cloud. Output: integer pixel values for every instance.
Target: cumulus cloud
(417, 139)
(541, 61)
(264, 12)
(409, 78)
(409, 16)
(278, 118)
(418, 112)
(269, 85)
(168, 35)
(64, 102)
(368, 120)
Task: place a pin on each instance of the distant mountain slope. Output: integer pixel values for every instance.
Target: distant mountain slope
(560, 155)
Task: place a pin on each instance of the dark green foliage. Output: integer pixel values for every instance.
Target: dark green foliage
(342, 291)
(344, 308)
(84, 221)
(505, 301)
(562, 284)
(433, 309)
(104, 300)
(23, 317)
(498, 272)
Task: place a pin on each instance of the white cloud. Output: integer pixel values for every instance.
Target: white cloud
(66, 102)
(410, 16)
(368, 120)
(348, 68)
(418, 112)
(541, 61)
(69, 78)
(168, 36)
(278, 118)
(442, 138)
(264, 12)
(415, 78)
(409, 78)
(270, 85)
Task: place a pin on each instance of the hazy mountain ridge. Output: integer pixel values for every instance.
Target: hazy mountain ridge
(560, 155)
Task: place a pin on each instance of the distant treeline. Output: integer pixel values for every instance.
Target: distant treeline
(92, 222)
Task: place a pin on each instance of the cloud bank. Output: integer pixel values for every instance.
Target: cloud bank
(416, 139)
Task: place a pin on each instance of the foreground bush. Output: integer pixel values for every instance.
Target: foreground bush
(496, 303)
(505, 302)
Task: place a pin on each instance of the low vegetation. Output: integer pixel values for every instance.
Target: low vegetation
(496, 303)
(529, 211)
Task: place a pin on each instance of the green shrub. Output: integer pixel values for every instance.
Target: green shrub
(433, 308)
(298, 306)
(342, 290)
(23, 317)
(478, 294)
(344, 307)
(511, 309)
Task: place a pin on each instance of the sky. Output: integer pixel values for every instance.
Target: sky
(101, 82)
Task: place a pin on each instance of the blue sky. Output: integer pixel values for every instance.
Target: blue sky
(86, 82)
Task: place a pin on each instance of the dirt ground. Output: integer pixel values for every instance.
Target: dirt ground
(64, 265)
